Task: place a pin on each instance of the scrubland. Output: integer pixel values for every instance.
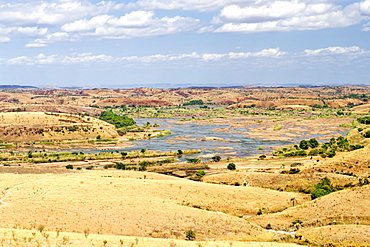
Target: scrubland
(266, 201)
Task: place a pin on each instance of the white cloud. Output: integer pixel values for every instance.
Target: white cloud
(199, 5)
(21, 32)
(134, 24)
(131, 20)
(272, 52)
(88, 58)
(335, 50)
(58, 12)
(267, 16)
(265, 57)
(365, 7)
(366, 27)
(51, 38)
(4, 39)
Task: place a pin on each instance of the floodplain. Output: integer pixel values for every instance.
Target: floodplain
(185, 167)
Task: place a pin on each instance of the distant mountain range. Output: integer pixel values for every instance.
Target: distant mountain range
(16, 87)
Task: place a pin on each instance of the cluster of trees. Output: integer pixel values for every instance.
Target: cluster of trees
(117, 120)
(312, 143)
(364, 120)
(194, 102)
(325, 150)
(323, 188)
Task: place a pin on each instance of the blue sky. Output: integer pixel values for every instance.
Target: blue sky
(176, 43)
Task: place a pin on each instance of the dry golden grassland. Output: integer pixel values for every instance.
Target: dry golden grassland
(356, 162)
(337, 235)
(276, 181)
(135, 204)
(30, 238)
(348, 206)
(39, 126)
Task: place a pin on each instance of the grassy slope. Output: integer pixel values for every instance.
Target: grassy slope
(337, 235)
(276, 181)
(38, 126)
(124, 203)
(349, 206)
(30, 238)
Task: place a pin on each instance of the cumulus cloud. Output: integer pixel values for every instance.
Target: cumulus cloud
(134, 24)
(81, 58)
(273, 57)
(267, 16)
(353, 50)
(58, 12)
(51, 38)
(273, 52)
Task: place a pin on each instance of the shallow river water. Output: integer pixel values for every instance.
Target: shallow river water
(191, 135)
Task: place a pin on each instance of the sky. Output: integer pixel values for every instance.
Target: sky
(181, 43)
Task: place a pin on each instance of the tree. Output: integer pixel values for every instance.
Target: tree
(367, 134)
(69, 167)
(313, 143)
(303, 144)
(231, 166)
(216, 158)
(293, 200)
(117, 120)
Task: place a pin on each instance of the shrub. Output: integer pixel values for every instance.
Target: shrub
(190, 235)
(367, 134)
(313, 143)
(216, 158)
(303, 144)
(69, 167)
(231, 166)
(323, 188)
(331, 153)
(262, 157)
(200, 173)
(364, 120)
(294, 170)
(193, 160)
(278, 127)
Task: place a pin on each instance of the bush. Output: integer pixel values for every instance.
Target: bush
(303, 144)
(367, 134)
(364, 120)
(190, 235)
(193, 160)
(231, 166)
(323, 188)
(261, 157)
(69, 167)
(200, 173)
(216, 158)
(313, 143)
(331, 154)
